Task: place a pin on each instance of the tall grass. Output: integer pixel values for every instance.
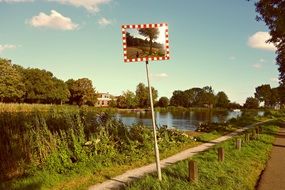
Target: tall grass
(39, 145)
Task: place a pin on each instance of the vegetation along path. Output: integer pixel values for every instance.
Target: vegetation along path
(274, 174)
(133, 174)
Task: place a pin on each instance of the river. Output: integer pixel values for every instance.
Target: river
(187, 120)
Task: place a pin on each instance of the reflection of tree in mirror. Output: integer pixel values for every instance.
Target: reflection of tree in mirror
(151, 33)
(141, 43)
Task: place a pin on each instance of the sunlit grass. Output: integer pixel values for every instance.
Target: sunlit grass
(240, 170)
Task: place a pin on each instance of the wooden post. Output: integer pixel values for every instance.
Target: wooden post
(221, 154)
(246, 137)
(253, 134)
(238, 144)
(257, 131)
(193, 171)
(260, 129)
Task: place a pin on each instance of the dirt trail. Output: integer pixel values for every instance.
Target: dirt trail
(273, 176)
(122, 180)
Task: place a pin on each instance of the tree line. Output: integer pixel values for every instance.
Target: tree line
(194, 97)
(269, 97)
(33, 85)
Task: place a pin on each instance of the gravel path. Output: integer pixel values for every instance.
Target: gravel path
(273, 176)
(121, 180)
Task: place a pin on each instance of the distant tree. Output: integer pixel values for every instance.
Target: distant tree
(263, 94)
(82, 92)
(113, 103)
(275, 97)
(121, 102)
(178, 98)
(58, 93)
(251, 103)
(38, 84)
(12, 88)
(194, 97)
(142, 95)
(234, 105)
(222, 100)
(130, 99)
(151, 33)
(69, 83)
(163, 102)
(42, 87)
(205, 97)
(272, 12)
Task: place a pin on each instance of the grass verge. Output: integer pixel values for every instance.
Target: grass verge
(240, 170)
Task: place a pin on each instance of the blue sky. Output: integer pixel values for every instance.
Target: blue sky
(215, 43)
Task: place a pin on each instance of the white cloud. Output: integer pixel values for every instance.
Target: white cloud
(15, 1)
(258, 40)
(6, 46)
(232, 58)
(90, 5)
(161, 75)
(104, 22)
(274, 79)
(55, 21)
(261, 60)
(257, 65)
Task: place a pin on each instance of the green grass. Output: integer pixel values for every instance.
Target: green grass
(43, 146)
(65, 147)
(240, 170)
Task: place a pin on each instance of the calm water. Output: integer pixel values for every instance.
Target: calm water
(181, 120)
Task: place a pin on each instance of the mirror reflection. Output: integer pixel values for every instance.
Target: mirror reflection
(146, 42)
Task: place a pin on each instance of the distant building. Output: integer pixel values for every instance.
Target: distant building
(103, 100)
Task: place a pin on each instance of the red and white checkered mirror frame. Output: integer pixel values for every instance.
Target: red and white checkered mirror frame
(134, 26)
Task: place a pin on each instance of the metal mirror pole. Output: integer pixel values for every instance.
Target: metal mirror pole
(153, 125)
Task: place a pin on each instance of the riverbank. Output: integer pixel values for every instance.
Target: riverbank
(63, 147)
(127, 177)
(70, 147)
(239, 170)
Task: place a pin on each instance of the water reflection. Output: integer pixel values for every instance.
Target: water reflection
(188, 120)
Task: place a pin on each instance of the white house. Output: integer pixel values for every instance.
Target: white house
(103, 99)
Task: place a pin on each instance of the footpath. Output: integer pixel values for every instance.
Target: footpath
(273, 176)
(128, 176)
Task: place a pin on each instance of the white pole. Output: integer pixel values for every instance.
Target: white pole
(154, 127)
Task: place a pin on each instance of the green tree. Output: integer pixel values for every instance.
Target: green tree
(12, 88)
(121, 102)
(59, 92)
(82, 92)
(234, 105)
(142, 95)
(130, 99)
(178, 98)
(38, 84)
(263, 94)
(206, 97)
(251, 103)
(194, 97)
(275, 98)
(163, 102)
(272, 12)
(222, 100)
(151, 33)
(42, 87)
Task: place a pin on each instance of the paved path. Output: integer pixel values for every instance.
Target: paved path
(121, 180)
(273, 177)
